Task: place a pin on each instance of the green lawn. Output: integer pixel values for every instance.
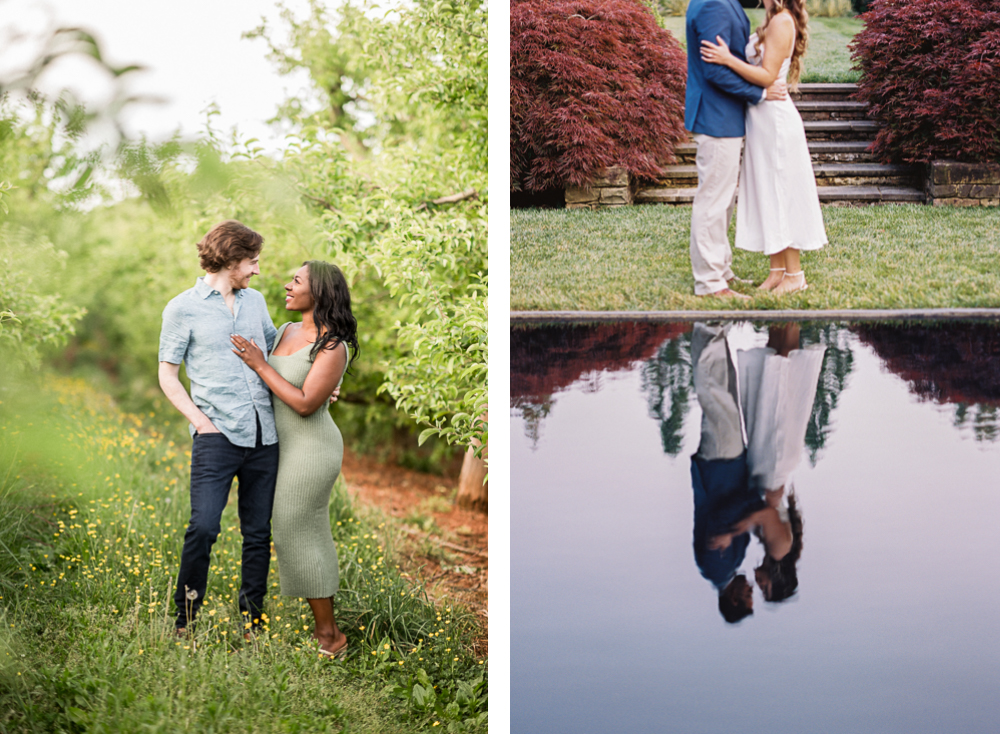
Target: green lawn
(827, 58)
(636, 258)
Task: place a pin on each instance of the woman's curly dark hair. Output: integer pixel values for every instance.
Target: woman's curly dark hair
(783, 574)
(332, 309)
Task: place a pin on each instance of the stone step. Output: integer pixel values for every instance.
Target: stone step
(842, 151)
(655, 195)
(828, 195)
(686, 151)
(815, 91)
(841, 129)
(866, 174)
(864, 195)
(823, 110)
(680, 176)
(827, 174)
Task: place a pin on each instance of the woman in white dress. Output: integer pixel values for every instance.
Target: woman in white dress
(777, 388)
(778, 212)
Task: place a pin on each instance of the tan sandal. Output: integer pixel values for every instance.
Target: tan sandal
(773, 270)
(791, 288)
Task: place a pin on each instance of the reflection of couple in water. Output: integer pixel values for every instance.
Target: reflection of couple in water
(755, 409)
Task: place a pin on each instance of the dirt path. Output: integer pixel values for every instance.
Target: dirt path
(439, 544)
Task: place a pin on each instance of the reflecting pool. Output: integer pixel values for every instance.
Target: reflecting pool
(724, 527)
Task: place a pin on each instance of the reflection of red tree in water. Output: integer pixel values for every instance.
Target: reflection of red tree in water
(948, 363)
(545, 359)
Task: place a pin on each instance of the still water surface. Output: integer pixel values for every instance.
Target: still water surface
(893, 624)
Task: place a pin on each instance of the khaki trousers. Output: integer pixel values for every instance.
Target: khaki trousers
(718, 164)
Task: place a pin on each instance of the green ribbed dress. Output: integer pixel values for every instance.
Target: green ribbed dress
(311, 450)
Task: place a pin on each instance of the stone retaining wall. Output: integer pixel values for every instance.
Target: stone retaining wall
(610, 189)
(963, 184)
(948, 183)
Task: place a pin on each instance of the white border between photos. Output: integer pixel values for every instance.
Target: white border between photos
(499, 365)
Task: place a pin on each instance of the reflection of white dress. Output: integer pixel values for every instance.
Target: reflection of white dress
(778, 204)
(776, 395)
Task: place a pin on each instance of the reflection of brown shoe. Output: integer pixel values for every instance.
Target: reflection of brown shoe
(726, 293)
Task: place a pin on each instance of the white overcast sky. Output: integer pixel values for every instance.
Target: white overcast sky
(193, 52)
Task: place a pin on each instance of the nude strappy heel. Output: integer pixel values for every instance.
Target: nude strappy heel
(792, 289)
(773, 270)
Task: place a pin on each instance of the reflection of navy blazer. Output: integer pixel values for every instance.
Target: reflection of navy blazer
(716, 95)
(722, 497)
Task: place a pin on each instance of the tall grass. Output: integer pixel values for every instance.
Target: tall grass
(95, 504)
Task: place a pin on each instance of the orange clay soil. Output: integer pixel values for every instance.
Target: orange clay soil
(437, 543)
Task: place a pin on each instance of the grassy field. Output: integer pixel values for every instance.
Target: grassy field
(827, 58)
(93, 506)
(637, 258)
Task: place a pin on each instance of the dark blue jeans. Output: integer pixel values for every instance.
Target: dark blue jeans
(214, 463)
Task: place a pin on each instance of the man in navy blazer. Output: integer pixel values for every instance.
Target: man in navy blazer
(714, 112)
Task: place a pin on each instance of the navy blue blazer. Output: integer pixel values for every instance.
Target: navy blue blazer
(716, 95)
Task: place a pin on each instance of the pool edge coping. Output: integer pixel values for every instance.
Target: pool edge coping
(760, 315)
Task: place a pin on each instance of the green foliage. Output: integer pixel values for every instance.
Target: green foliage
(404, 126)
(125, 261)
(669, 8)
(464, 707)
(440, 379)
(424, 84)
(838, 363)
(829, 8)
(329, 48)
(39, 160)
(31, 319)
(667, 381)
(61, 121)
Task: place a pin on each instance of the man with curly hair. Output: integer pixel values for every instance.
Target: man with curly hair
(229, 408)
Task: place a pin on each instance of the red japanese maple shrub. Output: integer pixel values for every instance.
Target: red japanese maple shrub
(931, 74)
(593, 84)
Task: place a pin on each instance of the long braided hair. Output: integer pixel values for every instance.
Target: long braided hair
(797, 9)
(331, 309)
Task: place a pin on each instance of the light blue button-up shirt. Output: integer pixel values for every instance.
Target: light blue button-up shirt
(196, 329)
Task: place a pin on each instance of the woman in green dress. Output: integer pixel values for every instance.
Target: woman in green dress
(307, 364)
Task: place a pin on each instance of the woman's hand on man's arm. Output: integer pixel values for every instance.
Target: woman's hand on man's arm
(319, 388)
